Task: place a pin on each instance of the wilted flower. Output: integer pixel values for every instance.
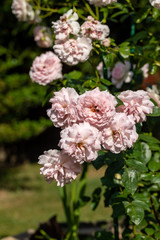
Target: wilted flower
(154, 94)
(121, 73)
(101, 2)
(46, 68)
(24, 11)
(74, 51)
(81, 142)
(63, 111)
(43, 36)
(100, 69)
(136, 104)
(66, 25)
(59, 167)
(96, 107)
(120, 134)
(94, 29)
(155, 3)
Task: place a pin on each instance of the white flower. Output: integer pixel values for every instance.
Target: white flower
(145, 70)
(101, 2)
(155, 3)
(154, 94)
(43, 36)
(74, 51)
(24, 11)
(66, 25)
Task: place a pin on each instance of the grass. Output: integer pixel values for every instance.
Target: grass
(26, 199)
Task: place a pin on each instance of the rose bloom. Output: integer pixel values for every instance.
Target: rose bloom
(100, 69)
(106, 42)
(137, 104)
(100, 3)
(24, 11)
(81, 142)
(66, 25)
(59, 167)
(43, 36)
(46, 68)
(155, 3)
(120, 134)
(73, 51)
(154, 94)
(96, 107)
(94, 29)
(63, 111)
(121, 73)
(145, 70)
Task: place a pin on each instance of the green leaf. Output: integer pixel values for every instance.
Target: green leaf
(142, 152)
(149, 231)
(154, 163)
(155, 112)
(124, 49)
(130, 180)
(143, 14)
(103, 235)
(73, 75)
(136, 165)
(135, 213)
(155, 178)
(141, 204)
(108, 60)
(148, 138)
(96, 196)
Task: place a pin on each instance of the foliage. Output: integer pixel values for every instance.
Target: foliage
(131, 183)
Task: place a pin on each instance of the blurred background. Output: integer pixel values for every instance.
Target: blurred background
(26, 199)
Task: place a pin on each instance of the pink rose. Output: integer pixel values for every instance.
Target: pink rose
(94, 29)
(137, 104)
(121, 73)
(46, 68)
(81, 142)
(73, 51)
(100, 3)
(96, 107)
(43, 36)
(63, 111)
(66, 25)
(120, 134)
(59, 167)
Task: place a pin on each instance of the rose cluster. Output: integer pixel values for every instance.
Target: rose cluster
(89, 122)
(75, 49)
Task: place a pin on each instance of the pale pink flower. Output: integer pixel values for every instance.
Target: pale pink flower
(145, 70)
(94, 29)
(121, 74)
(81, 142)
(100, 3)
(46, 68)
(59, 167)
(136, 104)
(106, 42)
(66, 25)
(100, 69)
(24, 11)
(154, 94)
(120, 134)
(96, 107)
(74, 51)
(43, 36)
(63, 111)
(155, 3)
